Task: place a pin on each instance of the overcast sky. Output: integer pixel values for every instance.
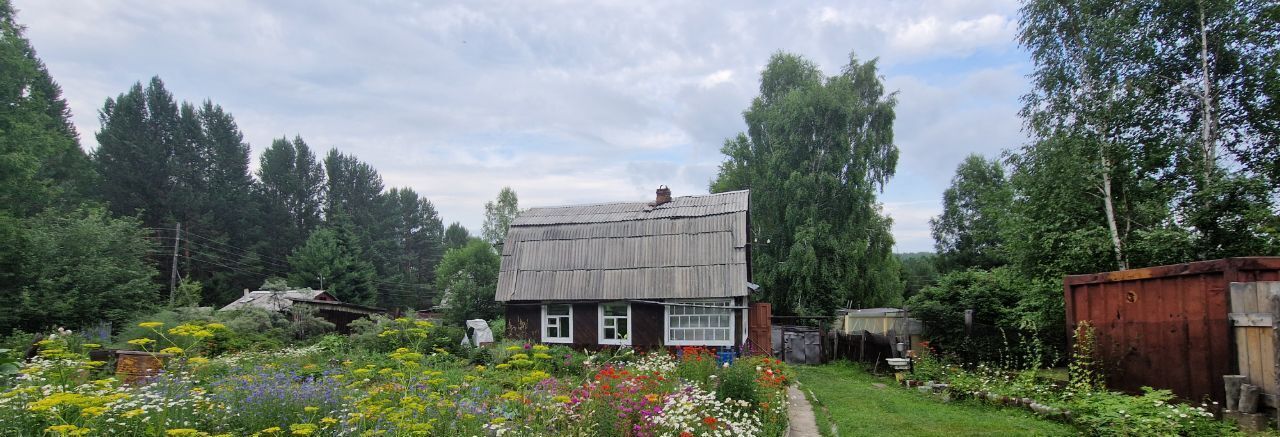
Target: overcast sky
(565, 102)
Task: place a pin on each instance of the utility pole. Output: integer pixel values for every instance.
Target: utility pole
(173, 272)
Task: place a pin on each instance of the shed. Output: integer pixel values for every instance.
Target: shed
(327, 307)
(1168, 326)
(276, 300)
(671, 272)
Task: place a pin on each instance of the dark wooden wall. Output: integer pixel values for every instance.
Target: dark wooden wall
(647, 325)
(524, 321)
(1165, 327)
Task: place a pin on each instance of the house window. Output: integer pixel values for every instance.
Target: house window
(615, 323)
(700, 323)
(557, 323)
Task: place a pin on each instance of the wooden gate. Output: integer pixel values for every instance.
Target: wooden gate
(1252, 319)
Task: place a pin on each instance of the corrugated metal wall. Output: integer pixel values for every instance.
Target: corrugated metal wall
(1165, 327)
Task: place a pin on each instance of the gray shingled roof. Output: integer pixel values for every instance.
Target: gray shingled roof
(271, 300)
(691, 247)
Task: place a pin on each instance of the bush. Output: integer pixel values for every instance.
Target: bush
(738, 382)
(248, 329)
(1012, 316)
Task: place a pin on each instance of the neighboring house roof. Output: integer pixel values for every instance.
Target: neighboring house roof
(339, 306)
(690, 247)
(275, 300)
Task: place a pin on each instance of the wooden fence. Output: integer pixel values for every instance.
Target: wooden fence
(1253, 319)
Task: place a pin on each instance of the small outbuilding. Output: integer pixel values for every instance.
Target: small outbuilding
(318, 302)
(671, 272)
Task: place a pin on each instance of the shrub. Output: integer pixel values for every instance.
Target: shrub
(738, 382)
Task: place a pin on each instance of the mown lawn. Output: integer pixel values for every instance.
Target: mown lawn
(846, 394)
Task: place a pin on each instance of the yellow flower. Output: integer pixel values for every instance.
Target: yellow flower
(134, 412)
(141, 341)
(216, 326)
(302, 428)
(503, 366)
(71, 430)
(541, 356)
(328, 421)
(514, 348)
(92, 411)
(540, 348)
(91, 345)
(196, 361)
(271, 430)
(498, 420)
(181, 432)
(310, 409)
(561, 399)
(151, 325)
(172, 350)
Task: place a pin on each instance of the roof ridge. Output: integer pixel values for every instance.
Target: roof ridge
(642, 202)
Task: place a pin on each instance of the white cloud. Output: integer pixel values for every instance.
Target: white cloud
(565, 102)
(937, 36)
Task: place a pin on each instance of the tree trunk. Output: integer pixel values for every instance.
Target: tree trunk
(1109, 203)
(1208, 129)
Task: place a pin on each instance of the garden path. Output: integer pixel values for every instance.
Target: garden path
(800, 415)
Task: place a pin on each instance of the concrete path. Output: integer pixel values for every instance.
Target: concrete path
(800, 414)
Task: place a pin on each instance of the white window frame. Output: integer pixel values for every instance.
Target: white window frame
(600, 327)
(728, 303)
(545, 325)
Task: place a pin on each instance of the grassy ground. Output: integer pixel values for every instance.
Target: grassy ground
(846, 395)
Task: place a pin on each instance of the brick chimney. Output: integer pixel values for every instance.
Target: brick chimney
(664, 195)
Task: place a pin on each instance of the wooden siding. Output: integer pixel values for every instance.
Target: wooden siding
(691, 247)
(1165, 327)
(524, 321)
(647, 325)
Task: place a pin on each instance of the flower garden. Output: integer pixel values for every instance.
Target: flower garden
(395, 377)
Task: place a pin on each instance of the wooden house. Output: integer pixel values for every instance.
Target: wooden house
(672, 272)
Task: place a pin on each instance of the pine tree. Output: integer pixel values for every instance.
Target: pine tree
(291, 193)
(41, 163)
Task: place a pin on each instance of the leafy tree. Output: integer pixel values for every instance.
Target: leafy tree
(76, 269)
(333, 256)
(967, 234)
(498, 216)
(188, 293)
(815, 152)
(456, 236)
(41, 163)
(919, 270)
(291, 192)
(1005, 304)
(468, 279)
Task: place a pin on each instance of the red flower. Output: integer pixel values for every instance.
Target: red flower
(686, 434)
(710, 421)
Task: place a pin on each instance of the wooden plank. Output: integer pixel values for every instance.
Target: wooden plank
(1251, 319)
(1266, 367)
(1256, 360)
(1274, 296)
(1242, 351)
(1240, 293)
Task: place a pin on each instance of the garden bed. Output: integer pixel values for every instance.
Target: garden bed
(395, 383)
